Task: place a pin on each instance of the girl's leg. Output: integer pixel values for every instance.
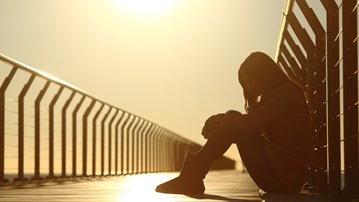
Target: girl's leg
(252, 149)
(214, 148)
(253, 152)
(195, 168)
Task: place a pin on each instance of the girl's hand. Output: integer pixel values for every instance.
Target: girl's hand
(212, 126)
(233, 112)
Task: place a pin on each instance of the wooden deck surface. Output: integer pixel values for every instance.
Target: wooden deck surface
(220, 186)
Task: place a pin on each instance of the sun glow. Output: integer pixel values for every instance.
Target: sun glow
(146, 8)
(142, 188)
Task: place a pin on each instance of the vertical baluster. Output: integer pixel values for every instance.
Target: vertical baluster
(138, 144)
(160, 150)
(133, 136)
(147, 147)
(142, 155)
(155, 149)
(332, 20)
(3, 88)
(128, 145)
(170, 151)
(51, 132)
(74, 136)
(319, 84)
(116, 141)
(166, 153)
(350, 100)
(110, 141)
(103, 141)
(21, 115)
(64, 133)
(37, 130)
(94, 132)
(309, 48)
(123, 143)
(178, 155)
(173, 153)
(85, 135)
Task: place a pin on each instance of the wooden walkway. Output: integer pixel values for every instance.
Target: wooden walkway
(220, 186)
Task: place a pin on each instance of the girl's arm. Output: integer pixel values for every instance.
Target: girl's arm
(283, 100)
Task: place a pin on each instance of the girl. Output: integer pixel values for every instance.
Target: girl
(273, 137)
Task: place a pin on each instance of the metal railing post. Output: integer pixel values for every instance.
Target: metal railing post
(288, 70)
(51, 131)
(153, 149)
(319, 97)
(309, 47)
(103, 141)
(161, 150)
(156, 148)
(94, 132)
(117, 141)
(332, 19)
(3, 88)
(293, 64)
(74, 136)
(85, 135)
(123, 142)
(128, 144)
(138, 132)
(64, 133)
(298, 54)
(167, 152)
(350, 100)
(143, 146)
(37, 130)
(110, 141)
(147, 147)
(133, 137)
(21, 128)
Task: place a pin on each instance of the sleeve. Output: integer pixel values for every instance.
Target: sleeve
(282, 101)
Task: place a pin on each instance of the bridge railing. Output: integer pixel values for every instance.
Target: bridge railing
(52, 129)
(321, 53)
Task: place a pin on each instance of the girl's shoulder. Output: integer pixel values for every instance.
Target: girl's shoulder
(288, 89)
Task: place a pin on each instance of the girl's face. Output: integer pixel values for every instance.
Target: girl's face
(251, 85)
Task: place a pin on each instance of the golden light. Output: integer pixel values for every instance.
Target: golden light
(146, 8)
(142, 188)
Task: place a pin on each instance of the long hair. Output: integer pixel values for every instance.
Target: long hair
(261, 68)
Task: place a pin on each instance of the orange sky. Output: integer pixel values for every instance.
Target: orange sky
(173, 63)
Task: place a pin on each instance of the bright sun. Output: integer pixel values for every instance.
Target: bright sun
(146, 8)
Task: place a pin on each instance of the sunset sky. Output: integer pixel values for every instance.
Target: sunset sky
(173, 62)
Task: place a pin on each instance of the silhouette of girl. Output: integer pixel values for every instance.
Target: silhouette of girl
(273, 137)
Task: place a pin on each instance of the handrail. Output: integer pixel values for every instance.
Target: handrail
(58, 81)
(288, 8)
(130, 144)
(53, 79)
(40, 73)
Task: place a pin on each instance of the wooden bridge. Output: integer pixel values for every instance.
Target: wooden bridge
(228, 185)
(62, 144)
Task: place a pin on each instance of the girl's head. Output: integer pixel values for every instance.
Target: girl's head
(259, 74)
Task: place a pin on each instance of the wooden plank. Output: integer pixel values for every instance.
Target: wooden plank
(227, 185)
(220, 186)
